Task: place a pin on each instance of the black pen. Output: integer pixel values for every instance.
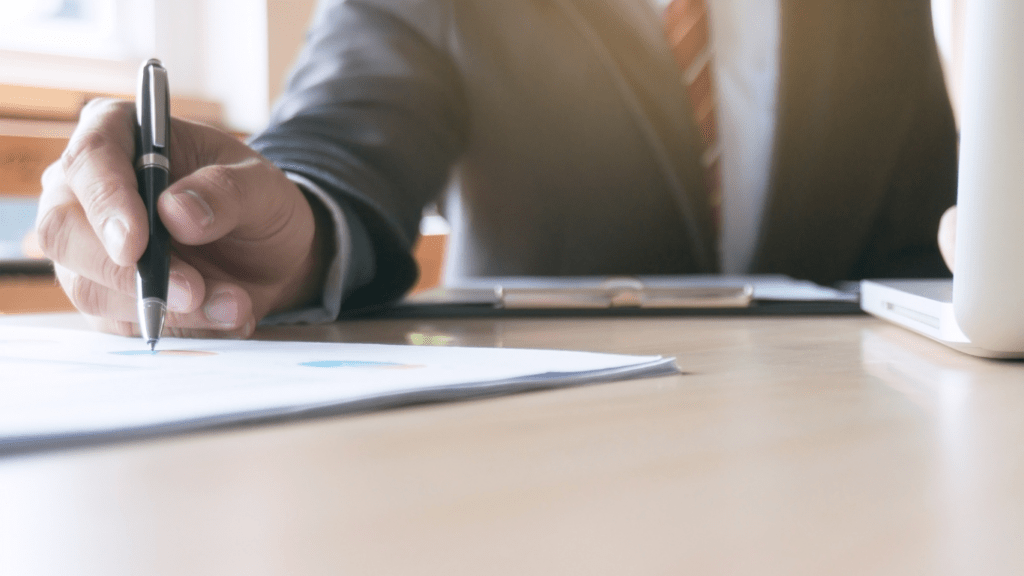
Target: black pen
(152, 167)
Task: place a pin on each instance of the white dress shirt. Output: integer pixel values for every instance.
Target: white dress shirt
(745, 71)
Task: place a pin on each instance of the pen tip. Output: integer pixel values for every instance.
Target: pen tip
(152, 345)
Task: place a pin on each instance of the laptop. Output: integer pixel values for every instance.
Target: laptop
(981, 310)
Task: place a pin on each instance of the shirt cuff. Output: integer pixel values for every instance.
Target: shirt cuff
(337, 270)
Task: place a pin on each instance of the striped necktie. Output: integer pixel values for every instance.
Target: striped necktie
(688, 34)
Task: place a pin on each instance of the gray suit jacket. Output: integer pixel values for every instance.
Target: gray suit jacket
(560, 140)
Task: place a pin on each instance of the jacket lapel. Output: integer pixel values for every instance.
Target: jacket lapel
(844, 108)
(628, 38)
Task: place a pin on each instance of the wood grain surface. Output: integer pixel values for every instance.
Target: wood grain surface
(789, 446)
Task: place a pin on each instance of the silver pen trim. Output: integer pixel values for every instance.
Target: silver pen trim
(152, 161)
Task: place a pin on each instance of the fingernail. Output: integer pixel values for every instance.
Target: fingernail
(222, 309)
(179, 297)
(115, 233)
(189, 202)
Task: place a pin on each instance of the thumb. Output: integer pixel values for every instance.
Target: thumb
(250, 200)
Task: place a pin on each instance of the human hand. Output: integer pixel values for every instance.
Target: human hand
(947, 236)
(244, 237)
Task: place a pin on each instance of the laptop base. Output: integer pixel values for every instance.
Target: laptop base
(926, 307)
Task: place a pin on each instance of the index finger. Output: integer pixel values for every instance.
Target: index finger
(97, 166)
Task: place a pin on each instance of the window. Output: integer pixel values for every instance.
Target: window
(81, 44)
(82, 28)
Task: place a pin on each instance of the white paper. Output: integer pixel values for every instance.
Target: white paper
(60, 387)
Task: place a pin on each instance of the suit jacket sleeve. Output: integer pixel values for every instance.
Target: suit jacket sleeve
(373, 113)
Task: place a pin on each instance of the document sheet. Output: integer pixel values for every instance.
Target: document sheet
(66, 387)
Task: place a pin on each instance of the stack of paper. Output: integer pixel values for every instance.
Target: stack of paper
(65, 387)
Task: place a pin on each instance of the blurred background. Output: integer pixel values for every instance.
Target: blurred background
(228, 61)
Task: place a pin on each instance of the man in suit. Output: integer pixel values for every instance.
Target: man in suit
(559, 138)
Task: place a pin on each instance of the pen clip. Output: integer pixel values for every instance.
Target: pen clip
(152, 105)
(158, 100)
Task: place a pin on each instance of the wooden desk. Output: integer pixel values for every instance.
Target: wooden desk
(792, 446)
(32, 293)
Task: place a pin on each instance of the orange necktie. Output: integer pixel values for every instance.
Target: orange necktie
(688, 33)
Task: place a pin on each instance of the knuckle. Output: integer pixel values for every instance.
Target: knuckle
(224, 178)
(87, 296)
(81, 147)
(102, 110)
(100, 194)
(53, 231)
(53, 175)
(103, 122)
(120, 277)
(64, 277)
(101, 106)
